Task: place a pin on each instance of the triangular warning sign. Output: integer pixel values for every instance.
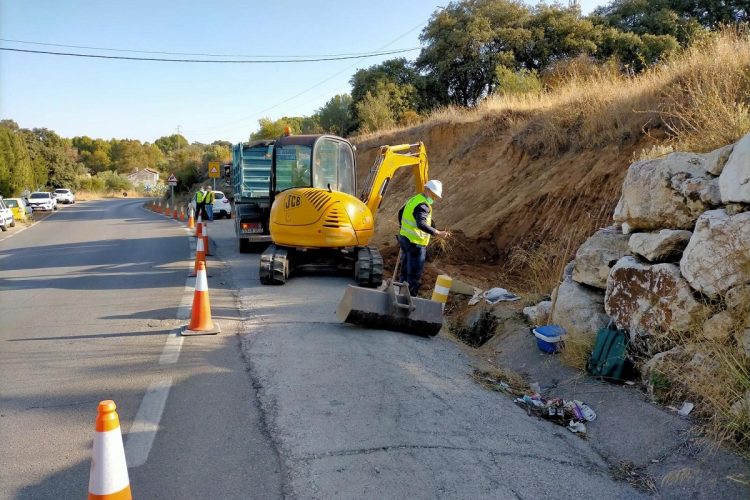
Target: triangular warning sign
(214, 170)
(172, 178)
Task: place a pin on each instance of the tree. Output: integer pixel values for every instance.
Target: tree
(170, 143)
(335, 116)
(273, 129)
(16, 171)
(467, 40)
(127, 155)
(374, 112)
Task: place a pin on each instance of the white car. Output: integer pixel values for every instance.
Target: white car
(42, 200)
(64, 196)
(6, 217)
(222, 206)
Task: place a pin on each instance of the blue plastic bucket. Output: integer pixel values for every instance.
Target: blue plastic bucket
(549, 338)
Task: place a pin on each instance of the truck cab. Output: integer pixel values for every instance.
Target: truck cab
(251, 180)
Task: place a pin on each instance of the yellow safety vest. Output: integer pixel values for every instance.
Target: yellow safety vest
(409, 227)
(209, 197)
(200, 197)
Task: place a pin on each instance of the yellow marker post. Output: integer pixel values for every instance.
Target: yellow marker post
(442, 289)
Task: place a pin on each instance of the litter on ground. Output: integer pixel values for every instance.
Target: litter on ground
(571, 414)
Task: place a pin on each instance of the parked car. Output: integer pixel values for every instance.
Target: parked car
(42, 200)
(222, 206)
(64, 196)
(21, 210)
(6, 216)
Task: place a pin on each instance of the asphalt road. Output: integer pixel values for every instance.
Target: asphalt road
(89, 301)
(286, 402)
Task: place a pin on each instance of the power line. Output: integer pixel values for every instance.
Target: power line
(212, 61)
(110, 49)
(303, 92)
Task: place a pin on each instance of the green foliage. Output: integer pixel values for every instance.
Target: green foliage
(517, 82)
(335, 116)
(16, 171)
(374, 112)
(171, 143)
(273, 129)
(113, 181)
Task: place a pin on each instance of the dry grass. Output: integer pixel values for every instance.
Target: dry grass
(698, 101)
(83, 195)
(577, 348)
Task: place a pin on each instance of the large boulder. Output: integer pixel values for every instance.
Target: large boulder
(597, 255)
(719, 327)
(578, 308)
(734, 181)
(718, 255)
(650, 299)
(671, 191)
(665, 245)
(717, 159)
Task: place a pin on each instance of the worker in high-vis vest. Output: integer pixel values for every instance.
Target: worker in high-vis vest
(416, 229)
(200, 203)
(209, 201)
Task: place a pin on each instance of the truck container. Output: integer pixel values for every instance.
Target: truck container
(251, 180)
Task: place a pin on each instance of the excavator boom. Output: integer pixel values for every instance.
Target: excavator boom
(390, 159)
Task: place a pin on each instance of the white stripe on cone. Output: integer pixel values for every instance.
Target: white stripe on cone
(199, 246)
(109, 471)
(201, 283)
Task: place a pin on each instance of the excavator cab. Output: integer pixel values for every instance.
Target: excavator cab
(313, 161)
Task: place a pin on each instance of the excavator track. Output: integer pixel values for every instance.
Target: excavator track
(274, 266)
(368, 269)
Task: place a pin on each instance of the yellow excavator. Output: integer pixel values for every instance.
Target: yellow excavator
(317, 219)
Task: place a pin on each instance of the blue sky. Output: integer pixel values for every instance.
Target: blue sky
(146, 100)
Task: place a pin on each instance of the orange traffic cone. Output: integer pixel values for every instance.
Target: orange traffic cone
(205, 239)
(108, 478)
(200, 256)
(174, 213)
(200, 318)
(190, 221)
(199, 227)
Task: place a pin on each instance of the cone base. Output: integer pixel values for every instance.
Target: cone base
(185, 332)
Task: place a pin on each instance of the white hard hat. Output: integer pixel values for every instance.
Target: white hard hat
(436, 187)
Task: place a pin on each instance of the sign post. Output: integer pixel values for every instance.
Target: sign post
(213, 171)
(172, 181)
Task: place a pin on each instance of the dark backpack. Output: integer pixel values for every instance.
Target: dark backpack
(609, 358)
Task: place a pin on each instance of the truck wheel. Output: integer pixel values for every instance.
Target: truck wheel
(4, 227)
(13, 223)
(244, 245)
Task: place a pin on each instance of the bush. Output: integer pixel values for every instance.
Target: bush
(516, 82)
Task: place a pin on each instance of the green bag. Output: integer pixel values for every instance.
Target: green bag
(609, 358)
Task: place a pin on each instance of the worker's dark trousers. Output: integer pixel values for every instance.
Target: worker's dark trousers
(412, 263)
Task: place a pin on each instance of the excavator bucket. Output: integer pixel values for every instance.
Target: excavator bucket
(391, 309)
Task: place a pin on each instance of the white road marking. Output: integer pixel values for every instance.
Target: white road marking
(171, 352)
(146, 423)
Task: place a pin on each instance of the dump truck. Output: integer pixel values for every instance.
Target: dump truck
(317, 218)
(251, 181)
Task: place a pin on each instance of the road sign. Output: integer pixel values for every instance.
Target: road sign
(227, 170)
(172, 181)
(213, 169)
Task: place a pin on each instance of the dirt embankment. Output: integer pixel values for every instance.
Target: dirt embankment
(499, 197)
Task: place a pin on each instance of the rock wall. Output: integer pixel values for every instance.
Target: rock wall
(678, 256)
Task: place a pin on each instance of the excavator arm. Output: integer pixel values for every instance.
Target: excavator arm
(390, 159)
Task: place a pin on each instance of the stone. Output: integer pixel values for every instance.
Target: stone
(666, 192)
(743, 341)
(648, 299)
(718, 255)
(597, 255)
(579, 308)
(741, 407)
(718, 327)
(738, 298)
(735, 208)
(650, 366)
(665, 245)
(538, 314)
(717, 159)
(734, 181)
